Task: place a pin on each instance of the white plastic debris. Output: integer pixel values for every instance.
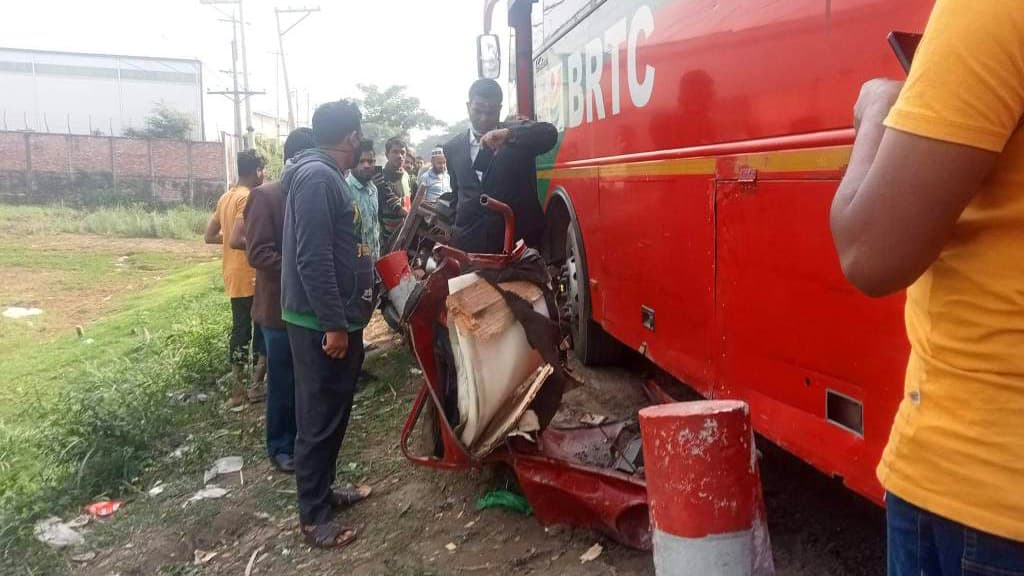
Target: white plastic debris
(16, 312)
(226, 465)
(84, 557)
(211, 492)
(57, 534)
(450, 546)
(591, 554)
(200, 557)
(157, 489)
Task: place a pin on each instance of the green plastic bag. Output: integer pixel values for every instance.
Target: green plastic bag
(504, 499)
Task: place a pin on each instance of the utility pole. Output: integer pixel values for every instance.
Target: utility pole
(235, 94)
(284, 66)
(245, 78)
(245, 138)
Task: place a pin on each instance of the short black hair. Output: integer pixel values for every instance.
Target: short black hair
(335, 121)
(365, 145)
(249, 162)
(394, 142)
(485, 89)
(300, 139)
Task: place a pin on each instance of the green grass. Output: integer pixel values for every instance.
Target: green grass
(79, 420)
(181, 222)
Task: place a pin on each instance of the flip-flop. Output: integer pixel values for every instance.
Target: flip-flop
(328, 536)
(349, 495)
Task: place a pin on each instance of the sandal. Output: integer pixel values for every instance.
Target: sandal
(328, 536)
(349, 495)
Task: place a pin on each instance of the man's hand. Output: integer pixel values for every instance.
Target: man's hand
(876, 98)
(336, 344)
(495, 139)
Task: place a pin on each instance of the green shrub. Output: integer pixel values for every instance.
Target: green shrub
(181, 222)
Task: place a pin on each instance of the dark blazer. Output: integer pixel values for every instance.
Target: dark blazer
(510, 175)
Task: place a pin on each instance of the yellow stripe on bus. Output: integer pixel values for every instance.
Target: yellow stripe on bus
(810, 160)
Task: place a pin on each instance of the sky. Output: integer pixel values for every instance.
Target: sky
(427, 45)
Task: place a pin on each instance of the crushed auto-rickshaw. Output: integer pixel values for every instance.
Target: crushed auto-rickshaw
(486, 332)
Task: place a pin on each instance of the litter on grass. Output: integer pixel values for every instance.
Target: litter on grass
(211, 492)
(226, 465)
(17, 312)
(504, 499)
(57, 534)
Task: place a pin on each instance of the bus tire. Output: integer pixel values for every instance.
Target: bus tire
(591, 344)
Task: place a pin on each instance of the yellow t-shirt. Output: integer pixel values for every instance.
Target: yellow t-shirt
(239, 277)
(957, 444)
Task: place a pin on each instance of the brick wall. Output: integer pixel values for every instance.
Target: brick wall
(42, 168)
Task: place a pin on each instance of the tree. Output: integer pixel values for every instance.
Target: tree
(434, 140)
(164, 122)
(273, 152)
(390, 112)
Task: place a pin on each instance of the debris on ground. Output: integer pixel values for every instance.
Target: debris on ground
(450, 546)
(157, 489)
(591, 554)
(103, 509)
(226, 465)
(57, 534)
(211, 492)
(200, 557)
(504, 499)
(17, 312)
(84, 557)
(252, 561)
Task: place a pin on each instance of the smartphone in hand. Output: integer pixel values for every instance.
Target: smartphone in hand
(904, 45)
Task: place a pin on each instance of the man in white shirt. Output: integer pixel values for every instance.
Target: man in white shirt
(435, 181)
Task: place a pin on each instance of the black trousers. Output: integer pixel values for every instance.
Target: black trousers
(242, 333)
(324, 388)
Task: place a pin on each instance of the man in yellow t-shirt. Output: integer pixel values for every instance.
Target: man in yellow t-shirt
(933, 201)
(239, 277)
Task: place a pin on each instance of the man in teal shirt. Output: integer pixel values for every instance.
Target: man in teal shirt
(363, 194)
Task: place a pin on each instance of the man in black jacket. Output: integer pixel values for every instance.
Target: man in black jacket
(497, 160)
(326, 301)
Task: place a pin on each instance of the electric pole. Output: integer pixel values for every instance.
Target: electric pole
(280, 41)
(245, 78)
(246, 137)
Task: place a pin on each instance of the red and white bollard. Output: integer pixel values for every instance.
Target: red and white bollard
(704, 491)
(399, 283)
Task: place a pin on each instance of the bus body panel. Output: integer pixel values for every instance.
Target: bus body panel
(700, 144)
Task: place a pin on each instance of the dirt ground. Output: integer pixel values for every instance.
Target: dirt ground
(77, 278)
(420, 521)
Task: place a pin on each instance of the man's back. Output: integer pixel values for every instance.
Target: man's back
(239, 277)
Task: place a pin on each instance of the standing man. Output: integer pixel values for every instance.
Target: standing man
(435, 180)
(497, 160)
(394, 187)
(364, 197)
(326, 301)
(932, 201)
(264, 228)
(239, 279)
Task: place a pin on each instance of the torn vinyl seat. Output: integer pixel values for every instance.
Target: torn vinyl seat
(484, 329)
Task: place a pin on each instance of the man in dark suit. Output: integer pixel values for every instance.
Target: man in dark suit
(497, 160)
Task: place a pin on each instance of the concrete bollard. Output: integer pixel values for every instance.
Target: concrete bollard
(704, 491)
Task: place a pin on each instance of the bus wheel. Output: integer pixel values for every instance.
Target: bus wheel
(591, 344)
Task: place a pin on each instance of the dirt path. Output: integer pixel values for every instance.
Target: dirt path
(421, 521)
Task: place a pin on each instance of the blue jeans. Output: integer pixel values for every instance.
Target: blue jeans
(280, 393)
(923, 544)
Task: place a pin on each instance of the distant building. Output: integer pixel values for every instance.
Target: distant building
(269, 126)
(94, 93)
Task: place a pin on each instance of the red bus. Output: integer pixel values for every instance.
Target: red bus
(687, 201)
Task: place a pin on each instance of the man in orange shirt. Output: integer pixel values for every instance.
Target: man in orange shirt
(933, 201)
(240, 279)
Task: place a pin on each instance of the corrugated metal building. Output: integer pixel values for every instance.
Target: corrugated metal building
(65, 92)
